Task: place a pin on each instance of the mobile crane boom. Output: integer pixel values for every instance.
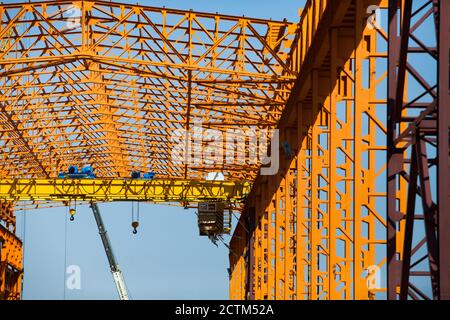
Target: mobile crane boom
(115, 270)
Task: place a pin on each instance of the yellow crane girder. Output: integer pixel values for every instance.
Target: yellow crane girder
(157, 190)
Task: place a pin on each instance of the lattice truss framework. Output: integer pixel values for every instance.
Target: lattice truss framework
(11, 264)
(316, 230)
(418, 150)
(107, 84)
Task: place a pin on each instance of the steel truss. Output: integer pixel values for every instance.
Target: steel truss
(108, 84)
(158, 190)
(312, 230)
(11, 270)
(418, 150)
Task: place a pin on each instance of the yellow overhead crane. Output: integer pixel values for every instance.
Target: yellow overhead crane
(208, 193)
(155, 190)
(99, 189)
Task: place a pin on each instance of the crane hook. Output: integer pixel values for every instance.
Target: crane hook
(72, 212)
(135, 224)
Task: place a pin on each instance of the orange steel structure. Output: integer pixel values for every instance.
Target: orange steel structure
(107, 84)
(112, 86)
(313, 230)
(103, 83)
(11, 270)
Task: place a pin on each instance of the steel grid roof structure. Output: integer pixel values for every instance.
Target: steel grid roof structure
(107, 84)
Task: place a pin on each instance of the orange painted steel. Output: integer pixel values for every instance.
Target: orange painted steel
(11, 270)
(107, 84)
(111, 87)
(315, 230)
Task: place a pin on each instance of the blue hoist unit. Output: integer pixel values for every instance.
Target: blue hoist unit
(73, 173)
(145, 176)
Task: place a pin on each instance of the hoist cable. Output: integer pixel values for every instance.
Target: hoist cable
(24, 233)
(138, 207)
(65, 253)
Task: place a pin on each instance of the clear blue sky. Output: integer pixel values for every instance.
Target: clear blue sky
(166, 259)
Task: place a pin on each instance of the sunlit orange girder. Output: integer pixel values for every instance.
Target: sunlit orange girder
(316, 229)
(11, 270)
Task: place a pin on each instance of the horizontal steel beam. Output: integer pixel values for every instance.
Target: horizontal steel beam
(157, 190)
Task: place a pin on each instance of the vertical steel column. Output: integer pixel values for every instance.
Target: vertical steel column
(265, 247)
(250, 253)
(369, 145)
(290, 240)
(271, 250)
(237, 271)
(319, 198)
(336, 265)
(443, 149)
(11, 260)
(280, 251)
(418, 144)
(359, 105)
(303, 247)
(394, 156)
(259, 255)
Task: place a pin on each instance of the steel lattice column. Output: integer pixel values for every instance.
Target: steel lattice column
(11, 270)
(316, 219)
(418, 150)
(443, 149)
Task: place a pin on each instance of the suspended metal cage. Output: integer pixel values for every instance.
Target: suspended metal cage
(211, 218)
